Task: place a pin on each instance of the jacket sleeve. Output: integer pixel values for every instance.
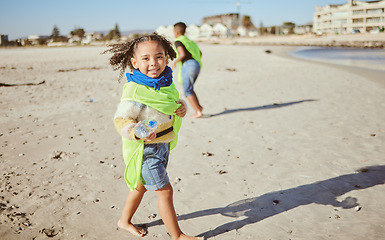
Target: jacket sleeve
(125, 118)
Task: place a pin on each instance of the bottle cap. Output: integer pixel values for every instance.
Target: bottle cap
(152, 123)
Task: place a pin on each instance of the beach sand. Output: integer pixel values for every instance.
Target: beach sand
(288, 149)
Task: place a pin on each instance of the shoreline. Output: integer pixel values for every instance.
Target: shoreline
(370, 74)
(284, 52)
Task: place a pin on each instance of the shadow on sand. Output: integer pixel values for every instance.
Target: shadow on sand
(20, 84)
(325, 192)
(274, 105)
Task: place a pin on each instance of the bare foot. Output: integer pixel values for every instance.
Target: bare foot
(185, 237)
(197, 115)
(137, 231)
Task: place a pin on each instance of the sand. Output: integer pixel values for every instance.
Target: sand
(288, 149)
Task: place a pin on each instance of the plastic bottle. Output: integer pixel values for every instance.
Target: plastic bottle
(145, 127)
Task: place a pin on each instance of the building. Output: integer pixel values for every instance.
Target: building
(206, 30)
(3, 40)
(37, 39)
(351, 17)
(221, 31)
(303, 29)
(231, 20)
(193, 31)
(167, 32)
(219, 26)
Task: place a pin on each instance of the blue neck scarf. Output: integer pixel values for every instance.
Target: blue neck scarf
(164, 79)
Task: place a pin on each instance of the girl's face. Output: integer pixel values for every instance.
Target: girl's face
(150, 58)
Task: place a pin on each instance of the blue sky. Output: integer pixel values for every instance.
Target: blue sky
(26, 17)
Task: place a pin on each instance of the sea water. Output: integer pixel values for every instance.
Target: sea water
(357, 57)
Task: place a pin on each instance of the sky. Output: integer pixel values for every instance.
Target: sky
(19, 19)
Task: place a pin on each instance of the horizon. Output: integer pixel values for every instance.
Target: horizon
(31, 19)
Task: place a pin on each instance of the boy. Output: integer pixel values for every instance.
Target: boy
(189, 65)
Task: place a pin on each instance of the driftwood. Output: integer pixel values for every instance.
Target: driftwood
(20, 84)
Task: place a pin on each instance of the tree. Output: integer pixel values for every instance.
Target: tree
(78, 32)
(55, 32)
(114, 33)
(273, 30)
(55, 36)
(289, 26)
(42, 41)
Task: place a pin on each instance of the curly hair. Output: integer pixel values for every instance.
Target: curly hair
(123, 52)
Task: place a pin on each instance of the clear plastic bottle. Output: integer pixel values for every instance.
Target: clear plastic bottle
(145, 127)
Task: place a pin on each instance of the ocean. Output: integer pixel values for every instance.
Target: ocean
(368, 58)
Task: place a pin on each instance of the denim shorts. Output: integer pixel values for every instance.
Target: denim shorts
(190, 72)
(155, 160)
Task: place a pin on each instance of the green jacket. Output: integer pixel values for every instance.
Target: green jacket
(193, 48)
(164, 101)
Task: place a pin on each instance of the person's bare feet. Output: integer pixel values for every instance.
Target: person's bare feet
(137, 231)
(185, 237)
(198, 114)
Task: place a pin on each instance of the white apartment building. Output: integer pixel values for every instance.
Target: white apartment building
(352, 16)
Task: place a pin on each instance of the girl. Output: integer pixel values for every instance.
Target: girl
(149, 94)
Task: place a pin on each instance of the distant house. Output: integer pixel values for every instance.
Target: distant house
(74, 39)
(90, 37)
(37, 39)
(287, 28)
(3, 40)
(221, 31)
(243, 32)
(193, 32)
(98, 36)
(167, 32)
(303, 29)
(87, 39)
(206, 30)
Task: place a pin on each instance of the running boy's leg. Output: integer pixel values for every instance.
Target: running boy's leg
(190, 72)
(193, 100)
(168, 215)
(131, 205)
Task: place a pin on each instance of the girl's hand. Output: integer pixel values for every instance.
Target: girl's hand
(150, 137)
(182, 110)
